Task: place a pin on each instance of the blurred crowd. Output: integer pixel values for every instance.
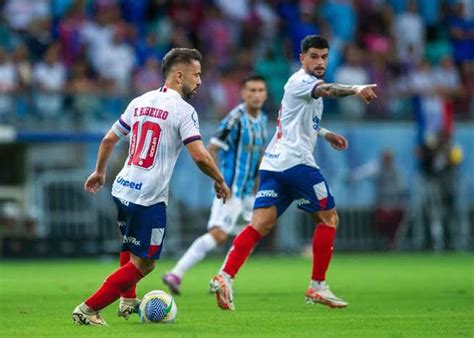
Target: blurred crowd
(76, 62)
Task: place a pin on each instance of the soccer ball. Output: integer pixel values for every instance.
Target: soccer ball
(157, 307)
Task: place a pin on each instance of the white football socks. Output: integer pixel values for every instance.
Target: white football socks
(196, 252)
(317, 285)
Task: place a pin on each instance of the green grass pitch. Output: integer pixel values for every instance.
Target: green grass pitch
(390, 295)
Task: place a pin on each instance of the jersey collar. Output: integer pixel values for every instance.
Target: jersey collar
(246, 113)
(168, 90)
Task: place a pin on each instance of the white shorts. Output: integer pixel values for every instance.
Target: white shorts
(226, 216)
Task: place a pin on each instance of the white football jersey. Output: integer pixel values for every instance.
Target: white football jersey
(298, 124)
(159, 123)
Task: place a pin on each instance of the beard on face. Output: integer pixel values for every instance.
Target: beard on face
(319, 70)
(188, 92)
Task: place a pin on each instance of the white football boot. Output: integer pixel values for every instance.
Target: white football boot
(82, 316)
(320, 293)
(127, 306)
(222, 287)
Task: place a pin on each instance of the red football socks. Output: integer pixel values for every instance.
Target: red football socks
(240, 250)
(323, 246)
(120, 281)
(132, 291)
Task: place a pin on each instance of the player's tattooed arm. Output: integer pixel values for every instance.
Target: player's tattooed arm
(334, 90)
(366, 92)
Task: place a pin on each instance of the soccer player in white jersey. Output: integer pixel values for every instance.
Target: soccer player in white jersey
(238, 145)
(288, 172)
(158, 123)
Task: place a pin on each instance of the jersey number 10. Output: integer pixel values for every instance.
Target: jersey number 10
(144, 143)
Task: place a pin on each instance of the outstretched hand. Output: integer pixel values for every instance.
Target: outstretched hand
(338, 142)
(222, 190)
(366, 92)
(95, 182)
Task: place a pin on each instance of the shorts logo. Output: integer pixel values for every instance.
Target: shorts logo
(302, 201)
(267, 193)
(129, 184)
(131, 240)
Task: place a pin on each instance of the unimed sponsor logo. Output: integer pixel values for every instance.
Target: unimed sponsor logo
(129, 184)
(267, 193)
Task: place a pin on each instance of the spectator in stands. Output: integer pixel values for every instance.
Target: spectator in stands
(216, 37)
(389, 194)
(409, 34)
(437, 201)
(20, 14)
(450, 88)
(304, 25)
(70, 28)
(429, 108)
(225, 92)
(97, 35)
(352, 72)
(158, 37)
(116, 62)
(148, 76)
(39, 36)
(148, 47)
(266, 13)
(390, 197)
(8, 86)
(342, 17)
(84, 91)
(49, 80)
(275, 68)
(437, 44)
(461, 32)
(239, 34)
(24, 71)
(465, 103)
(23, 65)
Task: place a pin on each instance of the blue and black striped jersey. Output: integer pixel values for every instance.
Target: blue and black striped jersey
(241, 139)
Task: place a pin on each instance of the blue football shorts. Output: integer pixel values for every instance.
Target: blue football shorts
(142, 227)
(303, 184)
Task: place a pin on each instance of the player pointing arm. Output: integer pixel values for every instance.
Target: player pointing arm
(289, 172)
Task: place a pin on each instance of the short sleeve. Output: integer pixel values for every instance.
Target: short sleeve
(265, 129)
(121, 127)
(303, 87)
(189, 127)
(223, 134)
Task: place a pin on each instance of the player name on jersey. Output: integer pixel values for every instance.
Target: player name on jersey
(152, 112)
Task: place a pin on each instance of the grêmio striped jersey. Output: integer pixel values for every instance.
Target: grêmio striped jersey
(241, 139)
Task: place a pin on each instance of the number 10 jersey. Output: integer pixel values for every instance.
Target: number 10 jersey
(157, 123)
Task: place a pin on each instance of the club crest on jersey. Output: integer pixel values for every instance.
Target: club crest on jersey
(195, 119)
(129, 184)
